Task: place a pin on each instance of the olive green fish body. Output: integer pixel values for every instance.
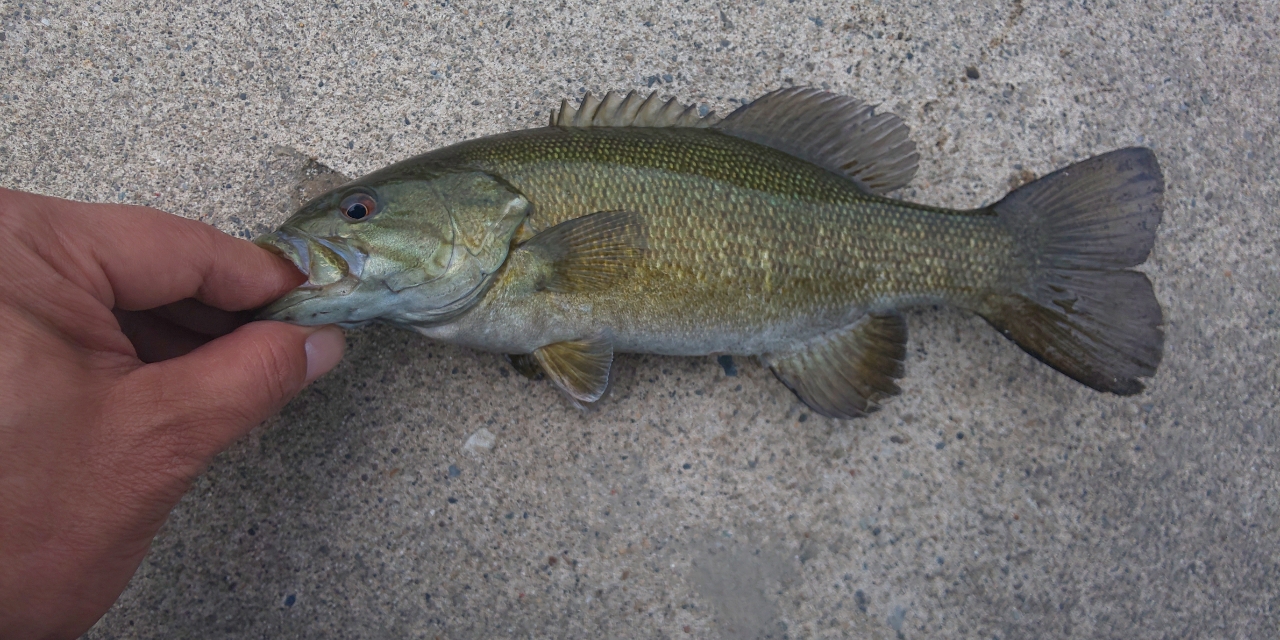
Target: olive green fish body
(638, 225)
(748, 249)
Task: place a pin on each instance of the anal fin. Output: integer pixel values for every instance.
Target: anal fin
(847, 372)
(579, 367)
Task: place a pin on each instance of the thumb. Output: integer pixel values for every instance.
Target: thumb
(205, 400)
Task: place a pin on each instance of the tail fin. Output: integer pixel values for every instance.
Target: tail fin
(1082, 311)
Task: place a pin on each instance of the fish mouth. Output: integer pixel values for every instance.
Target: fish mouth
(333, 267)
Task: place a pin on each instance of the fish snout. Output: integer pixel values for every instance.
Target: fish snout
(333, 268)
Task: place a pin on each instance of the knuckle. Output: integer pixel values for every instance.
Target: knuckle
(152, 452)
(173, 430)
(177, 441)
(280, 374)
(169, 431)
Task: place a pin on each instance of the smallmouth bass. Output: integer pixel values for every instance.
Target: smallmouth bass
(633, 224)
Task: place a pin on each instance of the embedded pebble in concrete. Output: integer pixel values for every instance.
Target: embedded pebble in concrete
(479, 442)
(1060, 512)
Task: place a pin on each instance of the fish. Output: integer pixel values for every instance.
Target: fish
(639, 224)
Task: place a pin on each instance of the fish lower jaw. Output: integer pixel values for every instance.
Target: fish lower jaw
(313, 304)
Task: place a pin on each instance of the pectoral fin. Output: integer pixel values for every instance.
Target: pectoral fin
(579, 367)
(846, 373)
(588, 253)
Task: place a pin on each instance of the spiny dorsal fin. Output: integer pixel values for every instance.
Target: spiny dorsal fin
(846, 373)
(579, 367)
(835, 132)
(588, 253)
(631, 110)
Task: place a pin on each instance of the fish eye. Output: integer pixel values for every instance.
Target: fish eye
(358, 206)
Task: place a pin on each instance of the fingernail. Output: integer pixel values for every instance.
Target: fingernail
(324, 350)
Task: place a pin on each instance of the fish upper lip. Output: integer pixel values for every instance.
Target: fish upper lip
(288, 246)
(295, 246)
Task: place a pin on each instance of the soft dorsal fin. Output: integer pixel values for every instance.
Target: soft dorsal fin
(632, 110)
(587, 253)
(835, 132)
(579, 367)
(847, 372)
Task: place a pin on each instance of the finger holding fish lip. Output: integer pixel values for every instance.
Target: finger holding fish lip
(323, 260)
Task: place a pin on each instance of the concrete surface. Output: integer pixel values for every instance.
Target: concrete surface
(994, 498)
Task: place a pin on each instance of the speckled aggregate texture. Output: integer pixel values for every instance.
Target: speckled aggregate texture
(425, 491)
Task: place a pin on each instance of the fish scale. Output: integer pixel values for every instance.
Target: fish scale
(735, 248)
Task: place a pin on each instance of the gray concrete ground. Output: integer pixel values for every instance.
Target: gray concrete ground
(994, 498)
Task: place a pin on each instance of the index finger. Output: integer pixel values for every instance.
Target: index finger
(146, 258)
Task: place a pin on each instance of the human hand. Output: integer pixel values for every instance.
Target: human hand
(123, 370)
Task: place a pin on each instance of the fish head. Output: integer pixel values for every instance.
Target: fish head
(416, 250)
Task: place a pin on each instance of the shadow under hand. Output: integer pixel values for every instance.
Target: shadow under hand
(176, 329)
